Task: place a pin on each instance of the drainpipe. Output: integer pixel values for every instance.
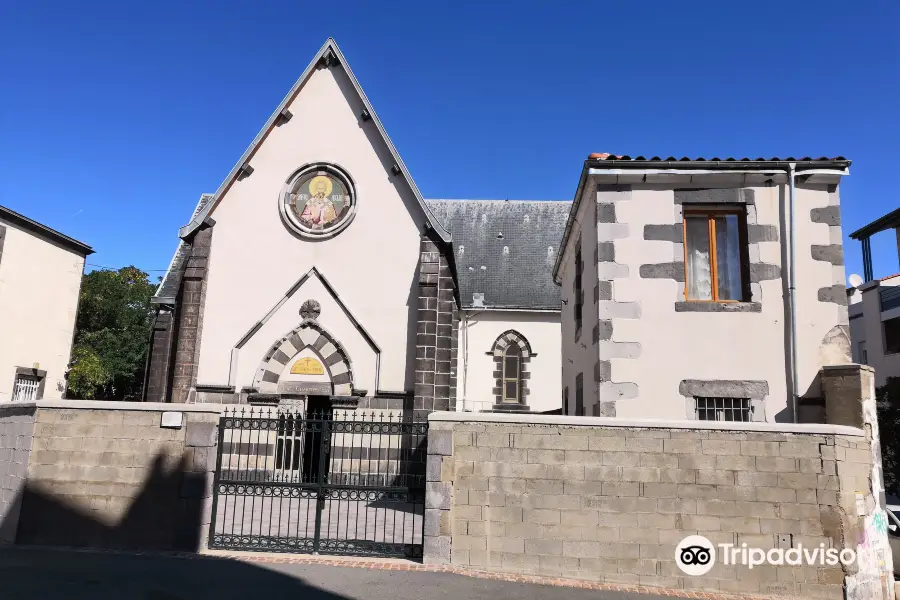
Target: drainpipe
(792, 174)
(464, 325)
(792, 302)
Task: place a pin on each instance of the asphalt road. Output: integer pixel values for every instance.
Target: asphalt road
(37, 574)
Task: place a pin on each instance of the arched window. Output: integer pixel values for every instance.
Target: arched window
(512, 374)
(511, 353)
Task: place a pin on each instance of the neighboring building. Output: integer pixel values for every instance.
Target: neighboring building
(675, 295)
(875, 307)
(318, 275)
(40, 279)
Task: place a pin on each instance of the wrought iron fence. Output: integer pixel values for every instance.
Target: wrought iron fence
(331, 482)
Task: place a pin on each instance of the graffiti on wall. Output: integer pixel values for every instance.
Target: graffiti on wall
(874, 576)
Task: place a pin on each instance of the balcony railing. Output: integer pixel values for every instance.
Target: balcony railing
(890, 297)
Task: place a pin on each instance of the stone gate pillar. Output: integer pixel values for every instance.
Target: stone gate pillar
(850, 400)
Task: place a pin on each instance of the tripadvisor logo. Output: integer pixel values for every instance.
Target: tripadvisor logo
(695, 555)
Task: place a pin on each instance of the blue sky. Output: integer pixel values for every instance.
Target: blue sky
(115, 117)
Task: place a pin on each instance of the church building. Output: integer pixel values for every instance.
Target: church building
(318, 276)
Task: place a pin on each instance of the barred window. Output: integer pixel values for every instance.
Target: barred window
(723, 409)
(25, 388)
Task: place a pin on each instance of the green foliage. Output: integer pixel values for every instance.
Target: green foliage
(87, 375)
(888, 399)
(112, 334)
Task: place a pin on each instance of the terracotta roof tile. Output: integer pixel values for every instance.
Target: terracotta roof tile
(610, 156)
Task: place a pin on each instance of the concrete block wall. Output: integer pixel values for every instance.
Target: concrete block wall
(108, 474)
(609, 500)
(16, 429)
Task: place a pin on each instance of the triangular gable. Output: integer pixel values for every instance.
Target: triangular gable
(313, 272)
(328, 51)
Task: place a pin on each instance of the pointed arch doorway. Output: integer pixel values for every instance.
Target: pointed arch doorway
(306, 362)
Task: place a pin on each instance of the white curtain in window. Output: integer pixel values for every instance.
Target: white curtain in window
(728, 257)
(698, 265)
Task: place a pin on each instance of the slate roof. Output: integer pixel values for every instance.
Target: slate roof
(512, 271)
(168, 289)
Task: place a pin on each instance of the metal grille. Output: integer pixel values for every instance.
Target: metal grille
(25, 388)
(331, 482)
(723, 409)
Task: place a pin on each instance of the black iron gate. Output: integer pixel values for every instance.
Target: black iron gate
(327, 482)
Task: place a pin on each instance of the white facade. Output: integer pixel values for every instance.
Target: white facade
(372, 307)
(874, 331)
(40, 279)
(643, 350)
(476, 368)
(256, 259)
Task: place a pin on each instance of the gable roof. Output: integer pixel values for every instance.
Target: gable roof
(505, 250)
(171, 281)
(45, 232)
(332, 55)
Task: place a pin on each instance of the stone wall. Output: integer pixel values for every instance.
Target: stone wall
(609, 499)
(192, 299)
(114, 474)
(16, 428)
(435, 337)
(157, 377)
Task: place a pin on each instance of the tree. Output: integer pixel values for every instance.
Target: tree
(888, 402)
(112, 334)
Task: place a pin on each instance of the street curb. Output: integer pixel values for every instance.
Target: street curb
(405, 565)
(496, 575)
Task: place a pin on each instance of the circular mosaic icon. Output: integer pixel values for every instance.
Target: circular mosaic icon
(319, 200)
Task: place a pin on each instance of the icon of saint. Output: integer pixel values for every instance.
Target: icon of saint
(319, 209)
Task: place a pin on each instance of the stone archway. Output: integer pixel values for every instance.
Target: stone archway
(308, 335)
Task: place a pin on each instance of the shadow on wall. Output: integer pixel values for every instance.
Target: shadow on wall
(410, 477)
(158, 518)
(165, 514)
